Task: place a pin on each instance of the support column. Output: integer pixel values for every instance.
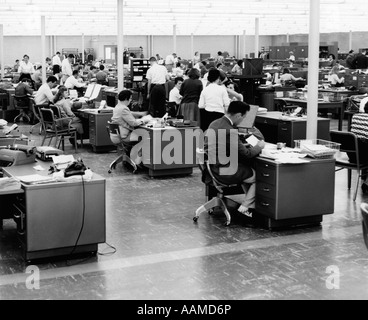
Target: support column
(313, 67)
(287, 38)
(152, 46)
(43, 48)
(174, 38)
(83, 57)
(350, 40)
(120, 41)
(244, 45)
(2, 62)
(191, 46)
(256, 40)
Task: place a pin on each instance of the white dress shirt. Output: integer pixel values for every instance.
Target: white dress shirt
(170, 59)
(66, 68)
(214, 98)
(157, 74)
(26, 67)
(72, 82)
(56, 61)
(175, 96)
(44, 95)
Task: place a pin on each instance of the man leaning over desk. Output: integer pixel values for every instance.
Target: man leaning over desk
(239, 171)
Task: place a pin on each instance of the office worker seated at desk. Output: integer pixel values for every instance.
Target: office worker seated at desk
(232, 90)
(288, 77)
(74, 82)
(101, 76)
(44, 94)
(24, 90)
(127, 121)
(333, 77)
(157, 76)
(65, 105)
(238, 68)
(240, 171)
(175, 95)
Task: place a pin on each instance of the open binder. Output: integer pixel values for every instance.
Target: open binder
(92, 92)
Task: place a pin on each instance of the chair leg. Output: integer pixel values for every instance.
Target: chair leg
(213, 203)
(357, 185)
(127, 159)
(349, 179)
(115, 162)
(18, 116)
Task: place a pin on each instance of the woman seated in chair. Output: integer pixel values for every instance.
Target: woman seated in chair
(359, 126)
(127, 121)
(65, 105)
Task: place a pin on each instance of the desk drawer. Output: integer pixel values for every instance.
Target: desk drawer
(266, 173)
(269, 121)
(266, 190)
(266, 206)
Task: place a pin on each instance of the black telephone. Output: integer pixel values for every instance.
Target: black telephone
(75, 168)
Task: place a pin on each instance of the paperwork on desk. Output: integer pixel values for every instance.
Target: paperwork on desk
(284, 156)
(35, 179)
(9, 184)
(61, 162)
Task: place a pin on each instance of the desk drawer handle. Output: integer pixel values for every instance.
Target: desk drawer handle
(265, 204)
(266, 175)
(266, 190)
(284, 129)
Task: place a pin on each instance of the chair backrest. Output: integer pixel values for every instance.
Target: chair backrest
(20, 102)
(56, 111)
(47, 116)
(364, 212)
(348, 143)
(113, 128)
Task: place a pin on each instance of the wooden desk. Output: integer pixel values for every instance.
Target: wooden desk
(51, 214)
(289, 194)
(155, 143)
(277, 129)
(339, 106)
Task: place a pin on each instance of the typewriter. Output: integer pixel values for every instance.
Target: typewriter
(17, 155)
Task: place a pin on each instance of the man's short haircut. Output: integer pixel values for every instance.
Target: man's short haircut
(125, 95)
(102, 67)
(238, 107)
(177, 79)
(51, 79)
(71, 56)
(213, 75)
(194, 74)
(75, 72)
(204, 63)
(26, 55)
(58, 52)
(152, 59)
(17, 60)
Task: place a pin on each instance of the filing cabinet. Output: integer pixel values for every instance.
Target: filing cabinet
(294, 193)
(98, 135)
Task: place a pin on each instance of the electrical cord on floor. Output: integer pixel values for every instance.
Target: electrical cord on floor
(81, 229)
(108, 253)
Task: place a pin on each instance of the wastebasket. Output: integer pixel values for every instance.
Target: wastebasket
(266, 94)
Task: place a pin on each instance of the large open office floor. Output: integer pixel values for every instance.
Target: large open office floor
(162, 254)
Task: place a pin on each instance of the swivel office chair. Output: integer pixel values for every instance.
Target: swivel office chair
(364, 212)
(123, 149)
(350, 145)
(215, 190)
(21, 103)
(37, 115)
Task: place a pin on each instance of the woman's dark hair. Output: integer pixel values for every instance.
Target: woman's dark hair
(240, 63)
(52, 79)
(59, 94)
(229, 82)
(213, 75)
(238, 107)
(332, 55)
(124, 95)
(194, 74)
(177, 79)
(75, 72)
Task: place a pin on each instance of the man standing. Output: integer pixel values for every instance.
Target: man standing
(361, 60)
(56, 63)
(222, 136)
(66, 67)
(156, 76)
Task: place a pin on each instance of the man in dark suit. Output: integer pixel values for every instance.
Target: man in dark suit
(230, 158)
(361, 60)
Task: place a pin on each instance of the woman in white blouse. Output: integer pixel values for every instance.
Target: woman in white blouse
(26, 69)
(214, 100)
(334, 78)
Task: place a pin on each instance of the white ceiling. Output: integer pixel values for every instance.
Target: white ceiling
(200, 17)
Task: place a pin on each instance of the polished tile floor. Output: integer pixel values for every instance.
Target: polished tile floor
(162, 254)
